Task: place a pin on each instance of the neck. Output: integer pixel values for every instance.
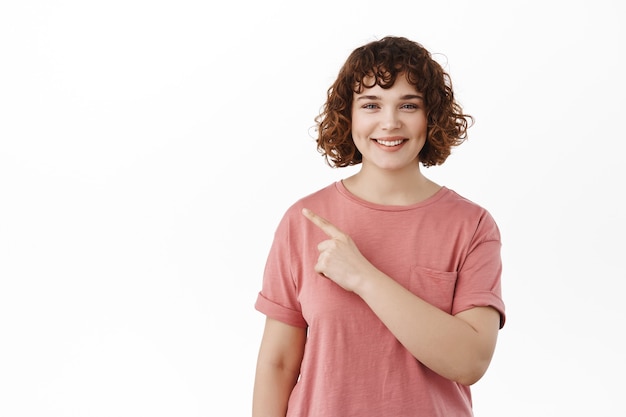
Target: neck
(400, 187)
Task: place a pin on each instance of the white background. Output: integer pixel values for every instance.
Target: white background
(149, 148)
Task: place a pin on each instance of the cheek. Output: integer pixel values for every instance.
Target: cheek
(362, 125)
(357, 129)
(420, 129)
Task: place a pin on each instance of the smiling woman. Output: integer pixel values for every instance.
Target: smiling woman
(390, 280)
(148, 150)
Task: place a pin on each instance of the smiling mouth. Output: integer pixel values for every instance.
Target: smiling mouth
(389, 143)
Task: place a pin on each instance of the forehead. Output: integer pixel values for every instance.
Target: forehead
(370, 83)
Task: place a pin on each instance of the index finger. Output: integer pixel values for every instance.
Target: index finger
(327, 227)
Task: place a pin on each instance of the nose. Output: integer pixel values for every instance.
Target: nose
(390, 120)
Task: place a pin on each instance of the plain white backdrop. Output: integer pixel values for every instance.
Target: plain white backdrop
(149, 148)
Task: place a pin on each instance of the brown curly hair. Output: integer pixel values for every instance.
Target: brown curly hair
(384, 60)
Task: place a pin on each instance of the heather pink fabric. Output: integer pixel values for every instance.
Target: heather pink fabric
(446, 250)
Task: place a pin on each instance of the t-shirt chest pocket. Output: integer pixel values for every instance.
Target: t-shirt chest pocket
(434, 287)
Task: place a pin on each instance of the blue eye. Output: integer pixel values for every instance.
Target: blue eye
(370, 106)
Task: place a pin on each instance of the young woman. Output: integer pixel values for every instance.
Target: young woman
(381, 291)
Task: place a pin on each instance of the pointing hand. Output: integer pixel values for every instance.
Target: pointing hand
(339, 258)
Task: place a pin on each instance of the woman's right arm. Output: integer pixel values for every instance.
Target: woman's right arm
(278, 368)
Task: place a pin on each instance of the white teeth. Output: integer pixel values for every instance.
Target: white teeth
(389, 143)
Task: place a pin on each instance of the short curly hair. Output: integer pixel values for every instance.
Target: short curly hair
(385, 60)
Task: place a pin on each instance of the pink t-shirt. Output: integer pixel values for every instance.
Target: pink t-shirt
(445, 250)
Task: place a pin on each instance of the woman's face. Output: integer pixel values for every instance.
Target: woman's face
(389, 126)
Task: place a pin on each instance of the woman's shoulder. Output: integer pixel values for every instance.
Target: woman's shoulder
(471, 213)
(457, 201)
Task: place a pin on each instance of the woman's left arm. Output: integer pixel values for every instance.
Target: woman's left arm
(458, 347)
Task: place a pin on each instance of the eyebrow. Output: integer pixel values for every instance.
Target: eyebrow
(404, 97)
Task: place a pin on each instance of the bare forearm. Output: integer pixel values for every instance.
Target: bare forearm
(272, 388)
(446, 344)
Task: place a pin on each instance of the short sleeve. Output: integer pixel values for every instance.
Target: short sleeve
(479, 277)
(278, 298)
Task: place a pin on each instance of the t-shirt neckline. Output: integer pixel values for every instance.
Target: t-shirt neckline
(341, 188)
